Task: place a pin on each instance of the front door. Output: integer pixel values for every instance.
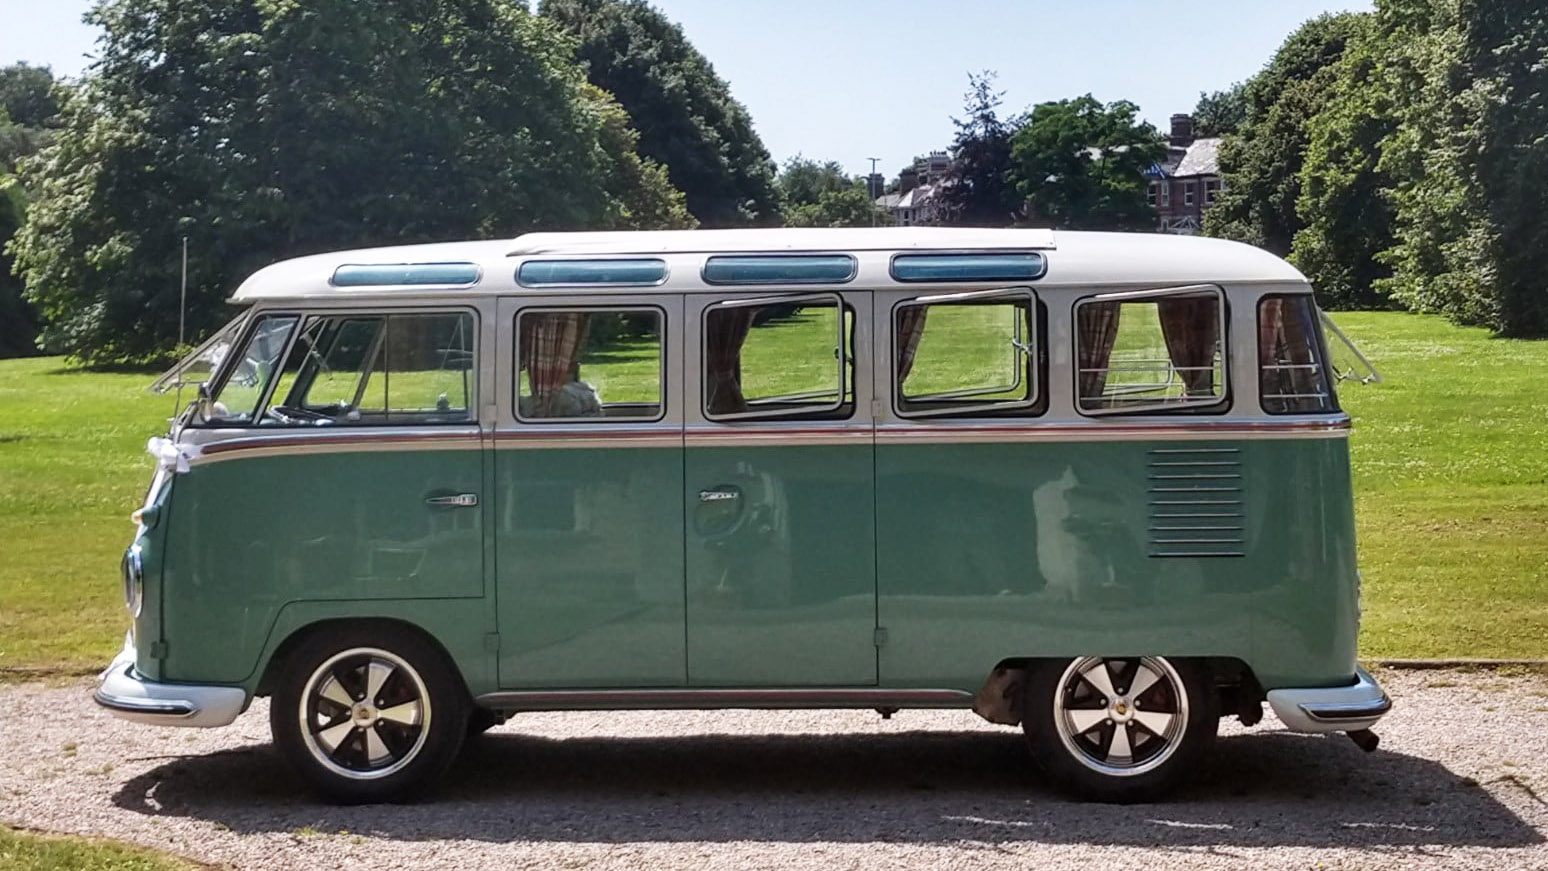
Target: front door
(779, 496)
(588, 469)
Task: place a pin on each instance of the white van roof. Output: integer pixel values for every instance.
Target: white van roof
(1074, 259)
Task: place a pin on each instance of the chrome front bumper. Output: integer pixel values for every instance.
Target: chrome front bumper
(129, 696)
(1332, 709)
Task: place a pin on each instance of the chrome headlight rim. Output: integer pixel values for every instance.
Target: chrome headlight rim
(134, 581)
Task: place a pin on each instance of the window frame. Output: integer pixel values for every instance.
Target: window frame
(1324, 357)
(661, 369)
(344, 313)
(1190, 190)
(842, 358)
(229, 365)
(1033, 371)
(1215, 405)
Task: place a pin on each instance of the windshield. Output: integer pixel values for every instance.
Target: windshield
(197, 367)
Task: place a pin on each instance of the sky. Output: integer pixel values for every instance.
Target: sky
(849, 80)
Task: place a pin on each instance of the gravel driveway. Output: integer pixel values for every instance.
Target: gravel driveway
(1460, 781)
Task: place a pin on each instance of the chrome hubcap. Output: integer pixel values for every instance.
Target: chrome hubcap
(365, 713)
(1121, 717)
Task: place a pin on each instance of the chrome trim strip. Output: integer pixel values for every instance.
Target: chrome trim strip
(773, 699)
(1332, 709)
(1351, 711)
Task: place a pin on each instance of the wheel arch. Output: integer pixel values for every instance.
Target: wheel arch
(292, 641)
(1236, 687)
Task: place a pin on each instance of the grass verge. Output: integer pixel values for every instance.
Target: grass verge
(33, 851)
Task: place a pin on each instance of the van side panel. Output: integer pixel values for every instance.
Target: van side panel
(249, 534)
(1051, 548)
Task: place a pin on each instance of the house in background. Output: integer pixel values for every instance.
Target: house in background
(1188, 181)
(915, 201)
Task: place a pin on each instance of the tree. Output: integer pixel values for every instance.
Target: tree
(644, 198)
(979, 190)
(1261, 164)
(263, 130)
(819, 194)
(27, 93)
(1082, 164)
(17, 324)
(27, 109)
(1221, 112)
(686, 117)
(1344, 213)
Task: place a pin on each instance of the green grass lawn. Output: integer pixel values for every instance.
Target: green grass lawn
(1450, 457)
(27, 851)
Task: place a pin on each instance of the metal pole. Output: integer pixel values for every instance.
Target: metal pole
(874, 161)
(182, 303)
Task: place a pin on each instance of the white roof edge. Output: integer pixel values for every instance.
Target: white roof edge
(778, 239)
(1075, 258)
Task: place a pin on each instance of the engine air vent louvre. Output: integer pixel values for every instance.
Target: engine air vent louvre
(1196, 502)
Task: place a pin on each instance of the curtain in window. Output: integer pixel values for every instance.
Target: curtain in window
(1191, 327)
(1290, 377)
(550, 351)
(725, 331)
(1097, 328)
(911, 323)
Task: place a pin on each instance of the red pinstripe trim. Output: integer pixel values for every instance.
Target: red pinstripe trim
(331, 440)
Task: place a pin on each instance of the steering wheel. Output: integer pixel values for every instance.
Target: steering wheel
(292, 416)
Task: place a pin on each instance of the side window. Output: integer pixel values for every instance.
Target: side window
(1153, 351)
(1291, 376)
(253, 370)
(785, 357)
(597, 365)
(381, 369)
(971, 353)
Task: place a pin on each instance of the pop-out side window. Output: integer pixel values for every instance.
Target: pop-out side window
(1151, 352)
(1292, 375)
(966, 354)
(589, 365)
(779, 357)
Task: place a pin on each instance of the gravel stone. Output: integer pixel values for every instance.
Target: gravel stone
(1460, 781)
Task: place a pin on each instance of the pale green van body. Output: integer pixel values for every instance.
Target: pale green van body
(914, 556)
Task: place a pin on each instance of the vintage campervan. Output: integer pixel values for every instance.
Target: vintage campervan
(1093, 484)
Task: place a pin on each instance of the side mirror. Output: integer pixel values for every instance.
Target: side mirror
(203, 402)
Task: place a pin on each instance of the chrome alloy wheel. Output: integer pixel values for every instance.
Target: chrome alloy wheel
(365, 713)
(1121, 717)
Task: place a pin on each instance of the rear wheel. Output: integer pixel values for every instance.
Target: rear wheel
(1119, 729)
(366, 715)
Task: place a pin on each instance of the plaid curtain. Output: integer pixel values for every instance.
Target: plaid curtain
(1283, 340)
(911, 323)
(1097, 328)
(725, 331)
(550, 352)
(1191, 327)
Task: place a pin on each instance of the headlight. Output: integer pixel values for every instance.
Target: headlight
(134, 581)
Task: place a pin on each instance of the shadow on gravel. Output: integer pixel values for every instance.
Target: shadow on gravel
(1273, 789)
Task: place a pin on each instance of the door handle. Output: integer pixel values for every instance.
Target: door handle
(718, 495)
(461, 500)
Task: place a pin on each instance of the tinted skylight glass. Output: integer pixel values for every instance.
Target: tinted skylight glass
(1021, 266)
(393, 274)
(780, 269)
(544, 273)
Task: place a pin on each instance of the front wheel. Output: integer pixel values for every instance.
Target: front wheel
(1119, 729)
(368, 715)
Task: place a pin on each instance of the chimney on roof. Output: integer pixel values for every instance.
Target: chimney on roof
(908, 179)
(1182, 130)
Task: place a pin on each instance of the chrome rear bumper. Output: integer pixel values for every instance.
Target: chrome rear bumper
(129, 696)
(1332, 709)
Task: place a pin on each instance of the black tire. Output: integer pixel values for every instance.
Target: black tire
(383, 749)
(481, 720)
(1060, 698)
